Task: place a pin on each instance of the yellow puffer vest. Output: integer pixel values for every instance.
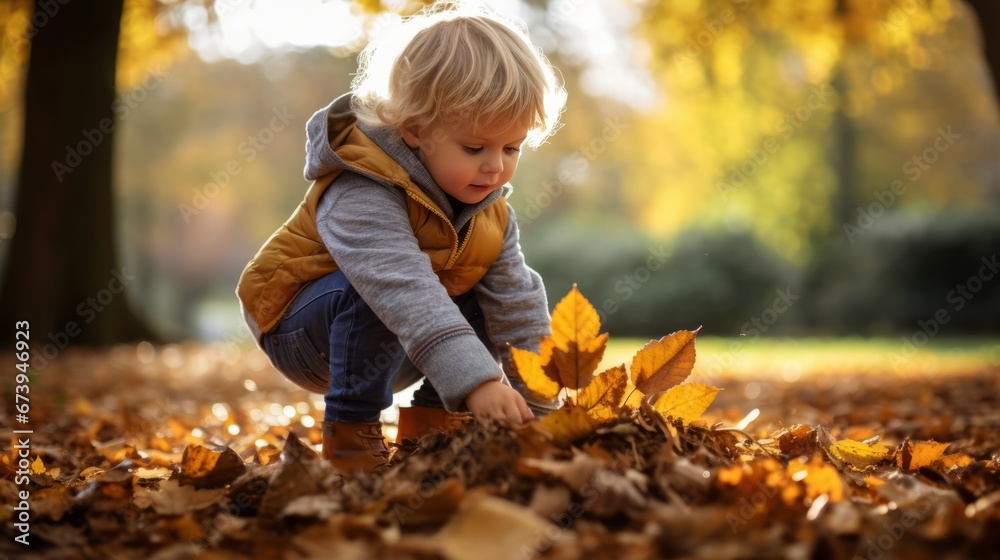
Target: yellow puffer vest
(295, 254)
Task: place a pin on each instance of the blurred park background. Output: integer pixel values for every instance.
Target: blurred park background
(764, 168)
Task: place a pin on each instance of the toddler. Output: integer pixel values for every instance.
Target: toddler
(402, 262)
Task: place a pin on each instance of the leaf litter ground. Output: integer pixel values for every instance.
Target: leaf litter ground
(204, 452)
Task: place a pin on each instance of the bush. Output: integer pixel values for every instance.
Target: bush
(646, 288)
(905, 269)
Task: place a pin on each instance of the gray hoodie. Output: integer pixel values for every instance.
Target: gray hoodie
(365, 227)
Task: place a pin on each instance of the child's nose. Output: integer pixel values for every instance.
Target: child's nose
(493, 164)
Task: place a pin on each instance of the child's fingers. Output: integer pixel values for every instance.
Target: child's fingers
(525, 412)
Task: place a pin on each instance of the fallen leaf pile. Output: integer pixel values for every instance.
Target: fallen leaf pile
(129, 460)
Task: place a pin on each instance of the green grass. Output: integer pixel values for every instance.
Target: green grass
(793, 358)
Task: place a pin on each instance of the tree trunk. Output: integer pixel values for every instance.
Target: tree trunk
(988, 12)
(62, 273)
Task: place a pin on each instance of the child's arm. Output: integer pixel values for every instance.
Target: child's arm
(366, 228)
(512, 297)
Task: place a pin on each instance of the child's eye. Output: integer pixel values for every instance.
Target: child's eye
(513, 150)
(472, 150)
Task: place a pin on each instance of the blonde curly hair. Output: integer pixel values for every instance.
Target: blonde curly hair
(462, 64)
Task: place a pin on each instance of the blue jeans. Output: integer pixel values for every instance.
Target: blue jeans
(329, 341)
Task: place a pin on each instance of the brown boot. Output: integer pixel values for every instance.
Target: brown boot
(416, 421)
(354, 447)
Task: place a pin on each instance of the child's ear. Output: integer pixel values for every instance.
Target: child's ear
(411, 134)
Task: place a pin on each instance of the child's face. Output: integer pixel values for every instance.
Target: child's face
(465, 165)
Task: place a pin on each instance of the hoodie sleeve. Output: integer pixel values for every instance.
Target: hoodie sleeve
(514, 305)
(366, 228)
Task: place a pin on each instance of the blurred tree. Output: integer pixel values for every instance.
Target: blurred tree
(62, 270)
(783, 117)
(988, 12)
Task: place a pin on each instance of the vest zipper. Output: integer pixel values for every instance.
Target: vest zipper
(455, 252)
(468, 234)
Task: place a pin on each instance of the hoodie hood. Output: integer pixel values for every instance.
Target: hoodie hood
(328, 128)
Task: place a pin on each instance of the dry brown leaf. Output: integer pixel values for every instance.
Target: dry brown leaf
(956, 460)
(618, 493)
(858, 433)
(913, 456)
(686, 402)
(156, 473)
(491, 528)
(873, 482)
(602, 396)
(797, 440)
(550, 501)
(50, 502)
(173, 499)
(208, 468)
(664, 363)
(575, 472)
(436, 504)
(566, 425)
(529, 369)
(576, 363)
(115, 450)
(858, 454)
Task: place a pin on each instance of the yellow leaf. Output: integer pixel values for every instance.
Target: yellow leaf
(37, 466)
(568, 424)
(664, 363)
(956, 460)
(859, 454)
(529, 369)
(576, 364)
(819, 478)
(574, 319)
(873, 482)
(577, 348)
(913, 456)
(488, 528)
(633, 397)
(687, 402)
(729, 476)
(602, 396)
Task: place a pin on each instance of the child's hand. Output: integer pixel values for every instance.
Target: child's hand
(498, 401)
